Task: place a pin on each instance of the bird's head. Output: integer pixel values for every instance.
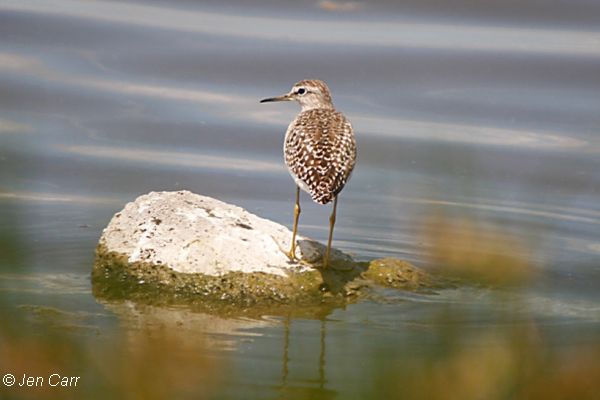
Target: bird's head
(309, 93)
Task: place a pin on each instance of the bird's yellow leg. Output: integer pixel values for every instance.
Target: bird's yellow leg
(331, 225)
(292, 253)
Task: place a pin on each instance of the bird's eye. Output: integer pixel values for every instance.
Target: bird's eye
(301, 91)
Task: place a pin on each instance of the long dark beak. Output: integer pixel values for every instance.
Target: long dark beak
(285, 97)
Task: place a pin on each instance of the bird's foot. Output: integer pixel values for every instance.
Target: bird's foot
(291, 254)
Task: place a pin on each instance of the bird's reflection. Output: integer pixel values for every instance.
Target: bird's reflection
(297, 388)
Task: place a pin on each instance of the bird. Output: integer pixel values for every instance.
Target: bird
(319, 150)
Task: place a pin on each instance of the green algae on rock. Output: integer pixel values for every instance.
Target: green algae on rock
(114, 278)
(398, 274)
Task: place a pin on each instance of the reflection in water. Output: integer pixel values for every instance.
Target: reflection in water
(285, 369)
(302, 386)
(323, 336)
(187, 325)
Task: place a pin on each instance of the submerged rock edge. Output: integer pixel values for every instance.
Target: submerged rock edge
(115, 278)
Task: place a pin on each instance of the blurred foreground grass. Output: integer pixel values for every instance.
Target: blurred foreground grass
(144, 364)
(465, 248)
(498, 363)
(510, 357)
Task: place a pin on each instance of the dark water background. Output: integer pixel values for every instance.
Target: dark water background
(485, 113)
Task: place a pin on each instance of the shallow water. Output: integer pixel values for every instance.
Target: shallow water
(479, 117)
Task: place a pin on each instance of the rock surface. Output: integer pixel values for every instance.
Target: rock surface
(180, 245)
(197, 234)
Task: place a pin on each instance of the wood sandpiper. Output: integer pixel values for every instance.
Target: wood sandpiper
(319, 149)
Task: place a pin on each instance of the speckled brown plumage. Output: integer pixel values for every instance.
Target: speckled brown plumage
(320, 152)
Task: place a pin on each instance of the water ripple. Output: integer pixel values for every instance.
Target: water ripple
(326, 32)
(175, 158)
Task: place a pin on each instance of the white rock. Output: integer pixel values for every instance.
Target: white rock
(197, 234)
